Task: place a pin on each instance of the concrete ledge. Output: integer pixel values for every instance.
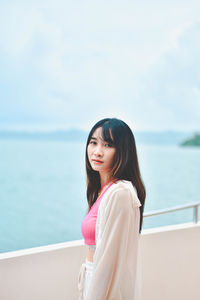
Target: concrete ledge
(170, 267)
(41, 249)
(169, 228)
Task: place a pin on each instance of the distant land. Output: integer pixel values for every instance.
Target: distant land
(141, 137)
(192, 141)
(54, 135)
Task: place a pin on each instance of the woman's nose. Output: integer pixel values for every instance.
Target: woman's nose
(98, 150)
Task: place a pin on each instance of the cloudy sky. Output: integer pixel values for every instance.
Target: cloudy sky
(69, 63)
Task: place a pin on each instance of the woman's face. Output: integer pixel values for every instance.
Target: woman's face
(100, 153)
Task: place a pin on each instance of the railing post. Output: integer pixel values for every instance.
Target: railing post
(196, 214)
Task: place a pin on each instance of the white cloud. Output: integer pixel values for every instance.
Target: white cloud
(107, 56)
(174, 83)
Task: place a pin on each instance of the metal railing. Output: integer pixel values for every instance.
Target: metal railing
(194, 205)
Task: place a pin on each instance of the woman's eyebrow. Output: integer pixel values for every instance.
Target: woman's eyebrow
(94, 138)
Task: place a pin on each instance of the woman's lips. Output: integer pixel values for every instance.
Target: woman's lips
(97, 161)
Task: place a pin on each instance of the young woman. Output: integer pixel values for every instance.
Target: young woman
(112, 227)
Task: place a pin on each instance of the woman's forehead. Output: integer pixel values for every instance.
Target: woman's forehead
(98, 134)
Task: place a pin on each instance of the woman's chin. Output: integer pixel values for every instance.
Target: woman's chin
(96, 168)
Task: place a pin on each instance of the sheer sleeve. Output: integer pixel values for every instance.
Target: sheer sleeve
(116, 241)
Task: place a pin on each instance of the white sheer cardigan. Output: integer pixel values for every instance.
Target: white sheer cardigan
(116, 274)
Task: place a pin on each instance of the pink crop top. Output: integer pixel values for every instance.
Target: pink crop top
(88, 225)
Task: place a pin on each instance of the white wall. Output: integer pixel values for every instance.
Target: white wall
(170, 259)
(171, 263)
(44, 273)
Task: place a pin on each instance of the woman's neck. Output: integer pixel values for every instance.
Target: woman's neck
(105, 179)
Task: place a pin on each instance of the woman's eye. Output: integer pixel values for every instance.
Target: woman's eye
(92, 142)
(108, 145)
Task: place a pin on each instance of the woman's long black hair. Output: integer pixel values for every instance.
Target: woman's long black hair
(125, 165)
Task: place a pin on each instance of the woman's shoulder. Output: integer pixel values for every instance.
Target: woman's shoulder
(125, 189)
(124, 185)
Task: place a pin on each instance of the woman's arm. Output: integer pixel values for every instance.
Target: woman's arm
(111, 252)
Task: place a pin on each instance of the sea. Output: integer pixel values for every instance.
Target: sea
(43, 189)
